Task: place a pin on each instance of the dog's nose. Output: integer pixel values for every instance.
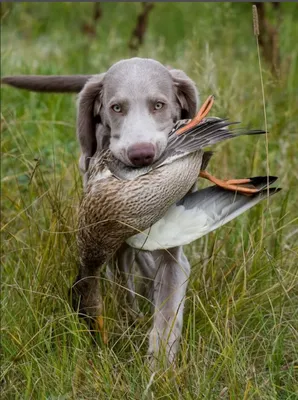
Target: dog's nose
(141, 154)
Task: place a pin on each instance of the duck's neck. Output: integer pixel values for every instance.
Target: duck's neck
(92, 260)
(91, 265)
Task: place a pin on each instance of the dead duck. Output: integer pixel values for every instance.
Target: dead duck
(151, 207)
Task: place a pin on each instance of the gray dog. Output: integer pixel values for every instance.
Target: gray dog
(131, 108)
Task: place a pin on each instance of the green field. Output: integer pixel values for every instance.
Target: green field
(240, 337)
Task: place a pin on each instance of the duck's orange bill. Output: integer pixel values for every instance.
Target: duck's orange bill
(204, 110)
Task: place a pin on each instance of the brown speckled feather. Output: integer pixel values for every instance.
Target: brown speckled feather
(113, 210)
(120, 201)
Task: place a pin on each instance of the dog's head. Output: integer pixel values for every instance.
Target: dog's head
(132, 108)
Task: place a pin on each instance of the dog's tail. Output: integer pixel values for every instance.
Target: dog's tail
(48, 83)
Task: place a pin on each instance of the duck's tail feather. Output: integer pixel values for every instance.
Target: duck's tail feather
(200, 213)
(48, 83)
(212, 131)
(221, 205)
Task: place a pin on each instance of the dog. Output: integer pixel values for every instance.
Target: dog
(131, 109)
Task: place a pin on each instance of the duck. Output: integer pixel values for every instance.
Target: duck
(154, 203)
(153, 207)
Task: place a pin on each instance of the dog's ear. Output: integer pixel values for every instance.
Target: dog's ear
(88, 116)
(186, 93)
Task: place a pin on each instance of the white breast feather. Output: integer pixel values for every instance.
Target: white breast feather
(178, 227)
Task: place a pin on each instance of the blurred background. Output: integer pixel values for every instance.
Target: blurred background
(93, 36)
(240, 336)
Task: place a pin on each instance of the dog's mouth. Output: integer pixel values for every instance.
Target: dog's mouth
(141, 155)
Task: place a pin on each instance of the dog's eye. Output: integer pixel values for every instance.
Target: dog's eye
(116, 108)
(158, 106)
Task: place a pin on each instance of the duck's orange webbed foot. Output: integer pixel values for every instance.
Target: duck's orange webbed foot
(231, 184)
(204, 110)
(99, 327)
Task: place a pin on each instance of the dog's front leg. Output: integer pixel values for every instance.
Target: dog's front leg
(170, 285)
(125, 268)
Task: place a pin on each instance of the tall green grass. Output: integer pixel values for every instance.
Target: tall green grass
(240, 327)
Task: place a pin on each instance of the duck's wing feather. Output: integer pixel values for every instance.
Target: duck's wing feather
(212, 131)
(199, 213)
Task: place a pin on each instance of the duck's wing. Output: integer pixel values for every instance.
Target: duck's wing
(207, 133)
(213, 130)
(199, 213)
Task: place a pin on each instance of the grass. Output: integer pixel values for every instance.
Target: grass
(240, 327)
